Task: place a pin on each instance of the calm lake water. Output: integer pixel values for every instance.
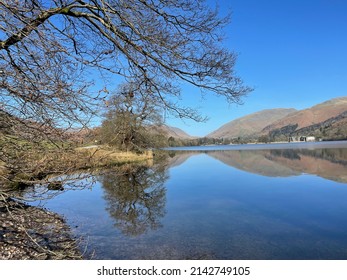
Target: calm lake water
(225, 202)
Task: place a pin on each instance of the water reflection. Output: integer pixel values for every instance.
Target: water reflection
(326, 163)
(214, 205)
(54, 186)
(135, 197)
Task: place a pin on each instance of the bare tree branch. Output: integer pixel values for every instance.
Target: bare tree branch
(58, 56)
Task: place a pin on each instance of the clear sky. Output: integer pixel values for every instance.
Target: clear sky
(292, 52)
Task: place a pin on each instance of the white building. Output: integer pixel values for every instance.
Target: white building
(301, 139)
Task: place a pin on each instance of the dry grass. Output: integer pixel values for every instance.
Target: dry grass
(36, 166)
(104, 155)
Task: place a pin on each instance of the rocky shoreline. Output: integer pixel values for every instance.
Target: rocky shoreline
(33, 233)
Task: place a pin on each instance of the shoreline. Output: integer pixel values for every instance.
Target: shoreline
(33, 233)
(69, 161)
(264, 146)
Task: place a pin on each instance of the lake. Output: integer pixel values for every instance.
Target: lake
(279, 201)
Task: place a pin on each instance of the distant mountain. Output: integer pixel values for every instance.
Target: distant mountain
(328, 119)
(174, 132)
(250, 125)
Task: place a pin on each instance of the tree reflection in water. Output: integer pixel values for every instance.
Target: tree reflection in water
(136, 197)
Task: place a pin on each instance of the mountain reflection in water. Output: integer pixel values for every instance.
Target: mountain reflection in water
(326, 163)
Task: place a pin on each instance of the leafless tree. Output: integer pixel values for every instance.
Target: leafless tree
(51, 51)
(132, 118)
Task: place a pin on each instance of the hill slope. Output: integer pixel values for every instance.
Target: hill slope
(251, 124)
(316, 114)
(322, 118)
(174, 132)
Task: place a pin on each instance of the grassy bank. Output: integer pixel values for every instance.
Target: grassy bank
(99, 156)
(37, 163)
(29, 232)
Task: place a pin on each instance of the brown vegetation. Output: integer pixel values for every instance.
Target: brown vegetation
(105, 156)
(39, 166)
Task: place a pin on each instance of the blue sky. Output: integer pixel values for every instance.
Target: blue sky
(293, 53)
